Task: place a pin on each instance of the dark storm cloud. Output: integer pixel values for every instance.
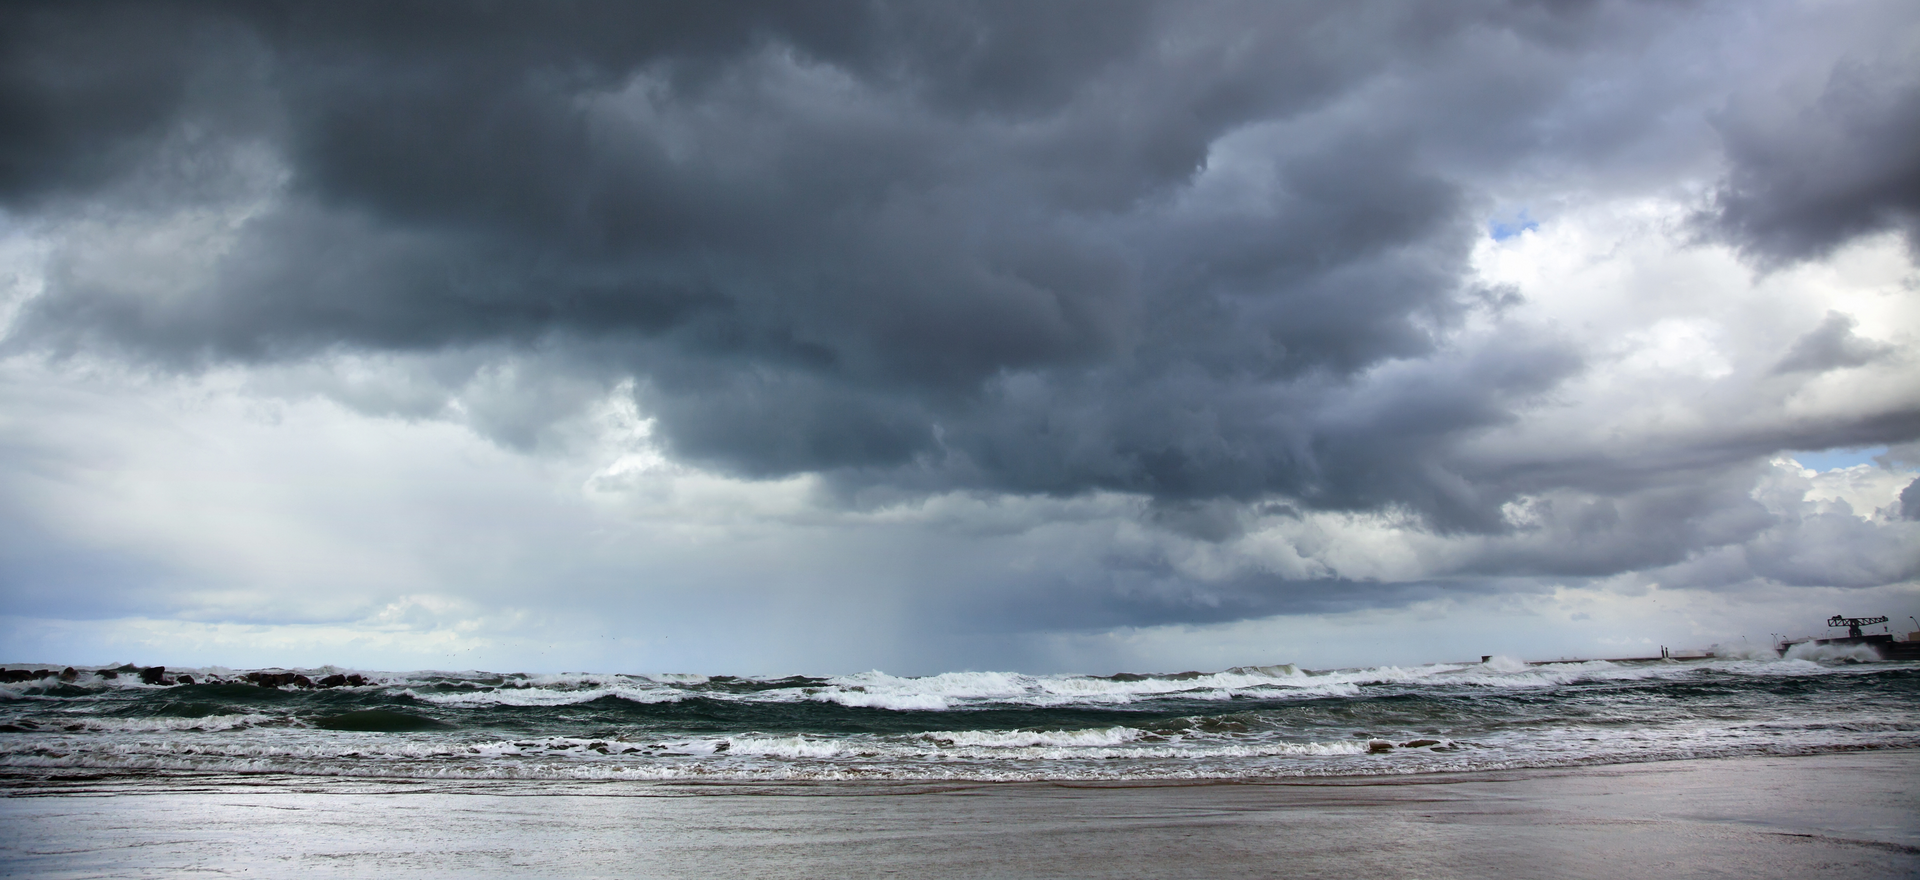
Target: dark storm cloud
(832, 234)
(1808, 180)
(929, 246)
(87, 92)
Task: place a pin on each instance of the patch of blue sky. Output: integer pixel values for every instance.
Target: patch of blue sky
(1501, 230)
(1835, 459)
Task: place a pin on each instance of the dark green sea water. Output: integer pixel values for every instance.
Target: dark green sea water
(1240, 723)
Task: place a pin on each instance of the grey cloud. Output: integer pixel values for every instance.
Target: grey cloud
(1212, 521)
(1805, 182)
(1910, 501)
(821, 234)
(44, 572)
(1571, 534)
(87, 92)
(1707, 532)
(1147, 592)
(1149, 597)
(1831, 346)
(920, 248)
(1836, 548)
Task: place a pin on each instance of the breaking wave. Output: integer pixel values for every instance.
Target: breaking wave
(1245, 722)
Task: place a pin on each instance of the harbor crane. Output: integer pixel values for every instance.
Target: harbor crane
(1853, 624)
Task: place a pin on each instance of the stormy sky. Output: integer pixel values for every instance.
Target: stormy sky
(1065, 336)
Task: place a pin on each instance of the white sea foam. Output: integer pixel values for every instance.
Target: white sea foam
(990, 757)
(1810, 651)
(147, 724)
(544, 696)
(787, 746)
(962, 690)
(1000, 739)
(678, 678)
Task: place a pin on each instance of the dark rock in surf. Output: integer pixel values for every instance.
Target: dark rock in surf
(1379, 746)
(1419, 743)
(278, 679)
(184, 679)
(153, 675)
(338, 680)
(68, 674)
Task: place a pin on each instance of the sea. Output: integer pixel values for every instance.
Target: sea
(1254, 722)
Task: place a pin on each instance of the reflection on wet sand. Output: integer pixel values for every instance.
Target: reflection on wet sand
(1839, 815)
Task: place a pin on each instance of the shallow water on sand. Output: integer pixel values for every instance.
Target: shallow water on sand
(1850, 815)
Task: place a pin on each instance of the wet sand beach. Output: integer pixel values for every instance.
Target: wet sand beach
(1853, 815)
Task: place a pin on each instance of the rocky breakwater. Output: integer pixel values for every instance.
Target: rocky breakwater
(295, 679)
(10, 676)
(158, 675)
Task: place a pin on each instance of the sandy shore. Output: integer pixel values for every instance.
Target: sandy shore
(1849, 815)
